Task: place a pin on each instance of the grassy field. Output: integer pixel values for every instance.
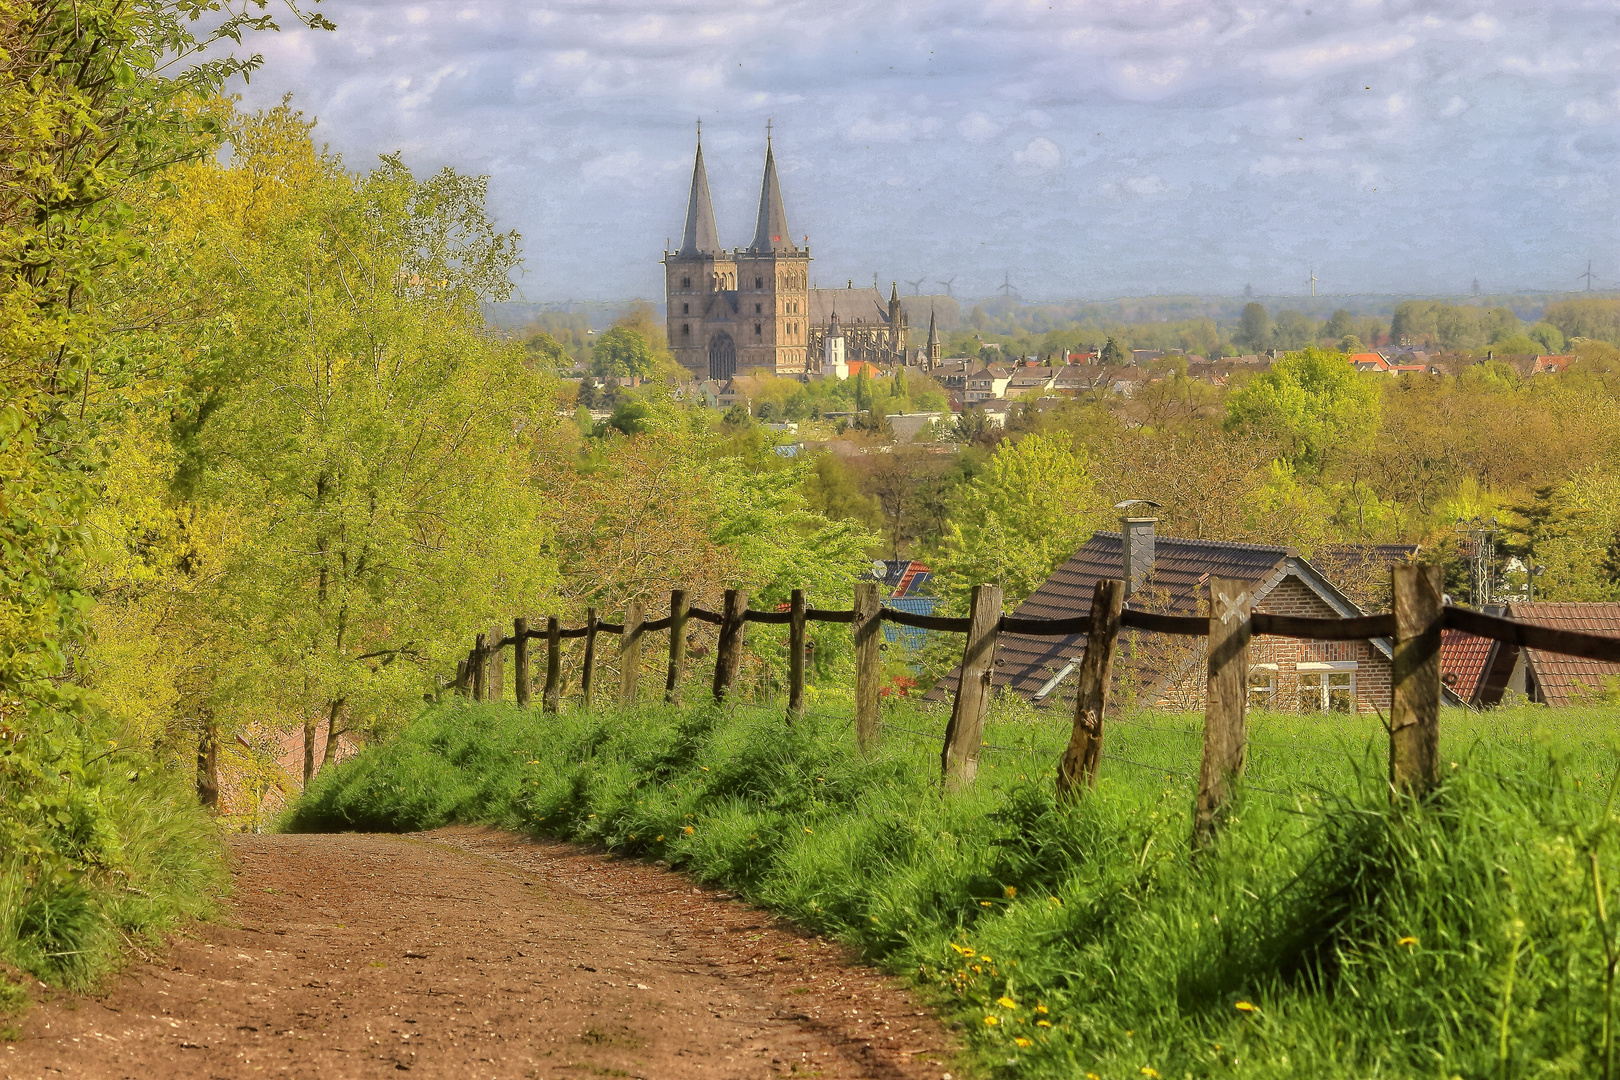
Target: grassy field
(1326, 935)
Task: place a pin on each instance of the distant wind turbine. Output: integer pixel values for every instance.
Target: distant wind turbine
(916, 286)
(947, 284)
(1587, 275)
(1006, 288)
(1314, 280)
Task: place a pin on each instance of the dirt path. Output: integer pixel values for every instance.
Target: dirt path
(473, 953)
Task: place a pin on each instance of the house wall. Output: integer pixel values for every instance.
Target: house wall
(1293, 597)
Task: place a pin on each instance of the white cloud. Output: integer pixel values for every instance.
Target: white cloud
(1455, 107)
(1039, 155)
(977, 127)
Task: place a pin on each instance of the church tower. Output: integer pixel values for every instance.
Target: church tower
(773, 287)
(697, 278)
(931, 359)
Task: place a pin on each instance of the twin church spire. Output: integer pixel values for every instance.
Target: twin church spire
(770, 228)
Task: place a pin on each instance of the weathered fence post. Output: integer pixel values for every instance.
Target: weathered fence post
(1414, 712)
(480, 668)
(796, 628)
(520, 660)
(1226, 698)
(1083, 757)
(461, 677)
(630, 654)
(551, 699)
(728, 654)
(587, 677)
(959, 761)
(677, 646)
(497, 664)
(868, 630)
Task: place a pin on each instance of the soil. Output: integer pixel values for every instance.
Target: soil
(476, 953)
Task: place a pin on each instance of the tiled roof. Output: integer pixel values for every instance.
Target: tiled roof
(1565, 680)
(1463, 660)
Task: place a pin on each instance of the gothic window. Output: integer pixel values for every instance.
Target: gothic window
(686, 330)
(722, 357)
(757, 330)
(686, 283)
(758, 308)
(759, 283)
(686, 309)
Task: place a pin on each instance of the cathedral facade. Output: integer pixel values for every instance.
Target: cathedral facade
(752, 308)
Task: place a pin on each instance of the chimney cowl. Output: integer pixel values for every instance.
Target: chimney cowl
(1137, 542)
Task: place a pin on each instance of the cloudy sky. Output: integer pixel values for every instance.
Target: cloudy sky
(1083, 149)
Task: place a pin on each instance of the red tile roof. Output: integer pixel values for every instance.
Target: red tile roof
(1463, 660)
(1567, 680)
(1370, 359)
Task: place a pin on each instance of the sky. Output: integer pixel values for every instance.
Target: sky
(1076, 150)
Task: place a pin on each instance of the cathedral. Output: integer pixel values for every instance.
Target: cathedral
(753, 308)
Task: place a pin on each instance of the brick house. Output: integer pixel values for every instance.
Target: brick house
(1479, 671)
(1170, 575)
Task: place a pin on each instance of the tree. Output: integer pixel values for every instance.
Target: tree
(1113, 354)
(1294, 330)
(1017, 521)
(1312, 402)
(1254, 328)
(622, 353)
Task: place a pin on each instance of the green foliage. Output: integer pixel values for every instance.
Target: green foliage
(1596, 318)
(1312, 402)
(1017, 521)
(1255, 329)
(1326, 934)
(1113, 354)
(622, 353)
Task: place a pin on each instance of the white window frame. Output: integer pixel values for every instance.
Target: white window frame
(1327, 669)
(1269, 691)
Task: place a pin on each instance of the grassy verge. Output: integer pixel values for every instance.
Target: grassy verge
(101, 852)
(1327, 934)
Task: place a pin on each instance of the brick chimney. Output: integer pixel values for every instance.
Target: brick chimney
(1137, 535)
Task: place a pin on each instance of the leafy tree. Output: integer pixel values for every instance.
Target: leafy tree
(1294, 330)
(622, 353)
(1254, 329)
(1113, 354)
(1340, 324)
(1312, 402)
(547, 351)
(1017, 521)
(830, 490)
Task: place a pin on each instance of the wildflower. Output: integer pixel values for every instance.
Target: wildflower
(1245, 1006)
(1092, 1076)
(660, 838)
(992, 1021)
(1043, 1023)
(1011, 891)
(1150, 1072)
(1006, 1002)
(689, 830)
(1041, 1009)
(963, 949)
(593, 815)
(984, 903)
(1021, 1041)
(809, 830)
(632, 836)
(1407, 941)
(705, 768)
(536, 761)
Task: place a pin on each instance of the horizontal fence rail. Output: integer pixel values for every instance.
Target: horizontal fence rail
(1412, 631)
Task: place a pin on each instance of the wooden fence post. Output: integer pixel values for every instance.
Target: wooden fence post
(868, 630)
(728, 654)
(1414, 712)
(497, 664)
(520, 660)
(461, 677)
(630, 654)
(480, 668)
(1083, 757)
(796, 628)
(677, 646)
(587, 678)
(959, 761)
(551, 700)
(1226, 699)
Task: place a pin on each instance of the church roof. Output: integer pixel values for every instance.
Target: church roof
(933, 332)
(701, 236)
(771, 232)
(865, 304)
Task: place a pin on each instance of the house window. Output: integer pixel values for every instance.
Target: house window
(759, 283)
(1327, 687)
(759, 309)
(1262, 686)
(686, 283)
(686, 309)
(757, 330)
(686, 329)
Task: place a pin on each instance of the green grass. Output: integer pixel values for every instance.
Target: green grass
(1327, 933)
(102, 851)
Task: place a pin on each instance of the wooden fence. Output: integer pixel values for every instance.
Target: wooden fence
(1414, 627)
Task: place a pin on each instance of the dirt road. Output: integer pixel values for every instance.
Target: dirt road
(473, 953)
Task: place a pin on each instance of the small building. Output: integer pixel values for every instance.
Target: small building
(907, 426)
(904, 582)
(1482, 672)
(1170, 575)
(1031, 382)
(1551, 365)
(986, 384)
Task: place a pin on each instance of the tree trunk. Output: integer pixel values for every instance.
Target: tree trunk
(208, 764)
(309, 749)
(330, 755)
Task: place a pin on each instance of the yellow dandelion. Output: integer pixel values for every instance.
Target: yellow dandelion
(705, 768)
(1092, 1076)
(984, 903)
(1150, 1072)
(963, 949)
(1407, 941)
(536, 761)
(660, 838)
(689, 830)
(985, 957)
(992, 1021)
(1011, 891)
(1041, 1009)
(1043, 1023)
(1021, 1041)
(593, 815)
(632, 836)
(809, 830)
(1006, 1002)
(1245, 1006)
